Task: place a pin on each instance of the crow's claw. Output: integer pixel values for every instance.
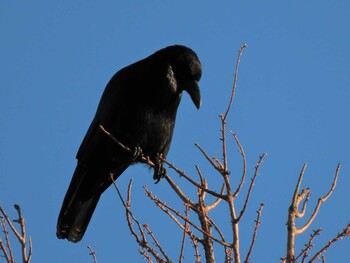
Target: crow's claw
(136, 154)
(159, 172)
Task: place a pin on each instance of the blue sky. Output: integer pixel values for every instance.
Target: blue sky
(292, 102)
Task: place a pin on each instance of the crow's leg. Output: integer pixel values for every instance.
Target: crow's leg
(159, 171)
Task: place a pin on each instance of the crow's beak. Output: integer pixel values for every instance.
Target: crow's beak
(195, 93)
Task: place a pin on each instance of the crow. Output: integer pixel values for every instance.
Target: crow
(138, 108)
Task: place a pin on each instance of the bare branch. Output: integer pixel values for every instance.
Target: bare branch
(303, 196)
(178, 191)
(240, 53)
(156, 242)
(144, 253)
(114, 139)
(165, 207)
(256, 173)
(241, 150)
(320, 202)
(92, 253)
(256, 226)
(181, 173)
(217, 201)
(186, 229)
(128, 212)
(339, 236)
(293, 213)
(196, 249)
(8, 255)
(224, 117)
(310, 244)
(216, 164)
(143, 243)
(22, 237)
(293, 208)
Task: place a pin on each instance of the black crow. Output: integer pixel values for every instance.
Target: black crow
(138, 107)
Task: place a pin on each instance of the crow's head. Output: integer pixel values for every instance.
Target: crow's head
(187, 70)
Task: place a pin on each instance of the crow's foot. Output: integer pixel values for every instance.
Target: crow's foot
(159, 172)
(136, 154)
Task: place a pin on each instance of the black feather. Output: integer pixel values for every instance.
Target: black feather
(138, 107)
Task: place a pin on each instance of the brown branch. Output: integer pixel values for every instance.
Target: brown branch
(256, 173)
(339, 236)
(114, 139)
(310, 244)
(256, 226)
(240, 53)
(129, 213)
(320, 202)
(228, 256)
(156, 242)
(22, 240)
(144, 253)
(167, 209)
(205, 225)
(22, 237)
(8, 255)
(303, 196)
(217, 201)
(92, 253)
(213, 161)
(291, 228)
(217, 229)
(184, 175)
(244, 159)
(178, 191)
(293, 212)
(224, 117)
(186, 229)
(143, 243)
(4, 251)
(196, 249)
(164, 207)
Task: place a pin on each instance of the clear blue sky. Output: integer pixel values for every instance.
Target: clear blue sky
(292, 102)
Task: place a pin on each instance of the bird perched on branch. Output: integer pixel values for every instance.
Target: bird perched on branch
(138, 108)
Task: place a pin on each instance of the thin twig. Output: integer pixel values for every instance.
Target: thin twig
(244, 159)
(144, 253)
(339, 236)
(8, 255)
(186, 229)
(256, 226)
(256, 173)
(165, 207)
(217, 165)
(310, 244)
(92, 253)
(178, 191)
(128, 213)
(184, 175)
(143, 243)
(156, 242)
(240, 52)
(20, 236)
(224, 117)
(114, 139)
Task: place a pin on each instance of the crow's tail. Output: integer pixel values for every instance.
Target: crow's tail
(78, 206)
